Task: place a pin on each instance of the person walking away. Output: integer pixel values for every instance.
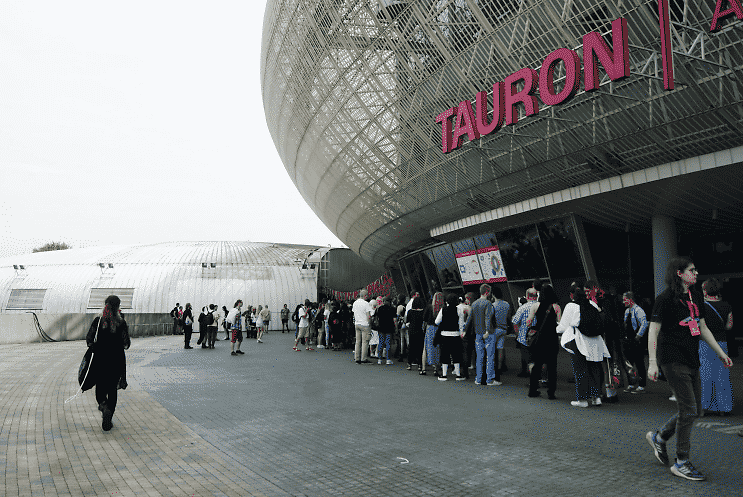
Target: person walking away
(717, 391)
(285, 319)
(187, 326)
(362, 316)
(450, 337)
(635, 325)
(303, 327)
(211, 322)
(265, 319)
(480, 324)
(234, 320)
(676, 325)
(109, 335)
(386, 315)
(432, 352)
(545, 316)
(580, 326)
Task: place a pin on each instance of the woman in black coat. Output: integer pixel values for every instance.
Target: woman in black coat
(414, 319)
(545, 349)
(109, 334)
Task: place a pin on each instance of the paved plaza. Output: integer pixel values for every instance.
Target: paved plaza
(277, 422)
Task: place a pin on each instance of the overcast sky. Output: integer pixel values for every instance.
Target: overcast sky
(139, 122)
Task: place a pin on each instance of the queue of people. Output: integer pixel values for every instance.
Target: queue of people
(687, 337)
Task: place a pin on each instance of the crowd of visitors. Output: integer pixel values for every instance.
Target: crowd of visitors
(604, 337)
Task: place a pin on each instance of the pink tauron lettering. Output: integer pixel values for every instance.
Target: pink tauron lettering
(547, 76)
(525, 96)
(465, 125)
(444, 119)
(481, 103)
(615, 62)
(734, 9)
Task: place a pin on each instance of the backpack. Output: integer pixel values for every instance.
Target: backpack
(591, 324)
(209, 318)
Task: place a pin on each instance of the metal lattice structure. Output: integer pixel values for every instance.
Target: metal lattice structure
(351, 89)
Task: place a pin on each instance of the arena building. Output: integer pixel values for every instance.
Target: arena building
(460, 141)
(55, 295)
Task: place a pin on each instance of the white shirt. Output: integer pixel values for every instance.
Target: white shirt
(304, 322)
(593, 348)
(361, 312)
(463, 308)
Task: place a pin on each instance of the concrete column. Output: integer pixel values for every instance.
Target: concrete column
(665, 248)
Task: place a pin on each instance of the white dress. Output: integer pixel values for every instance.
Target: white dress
(593, 348)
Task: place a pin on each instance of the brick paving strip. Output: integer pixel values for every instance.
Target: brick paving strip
(274, 422)
(53, 448)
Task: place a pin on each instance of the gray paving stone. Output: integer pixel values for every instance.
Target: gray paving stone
(276, 422)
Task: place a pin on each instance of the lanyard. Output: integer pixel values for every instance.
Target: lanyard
(692, 322)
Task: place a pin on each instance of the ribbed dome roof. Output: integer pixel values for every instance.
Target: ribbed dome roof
(152, 278)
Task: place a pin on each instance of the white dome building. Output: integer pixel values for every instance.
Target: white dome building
(54, 295)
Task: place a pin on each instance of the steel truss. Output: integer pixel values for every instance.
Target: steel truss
(351, 89)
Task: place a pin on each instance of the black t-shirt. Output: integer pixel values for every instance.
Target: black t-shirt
(386, 314)
(675, 341)
(716, 321)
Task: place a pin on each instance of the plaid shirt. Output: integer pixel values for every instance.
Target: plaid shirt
(519, 319)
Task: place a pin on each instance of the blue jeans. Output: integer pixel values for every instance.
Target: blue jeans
(385, 339)
(485, 346)
(717, 392)
(686, 386)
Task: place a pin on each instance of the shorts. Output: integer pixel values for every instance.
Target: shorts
(237, 336)
(499, 336)
(304, 332)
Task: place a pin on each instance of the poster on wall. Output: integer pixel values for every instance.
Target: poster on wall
(469, 267)
(491, 264)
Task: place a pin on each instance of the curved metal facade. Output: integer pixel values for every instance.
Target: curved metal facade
(154, 277)
(352, 88)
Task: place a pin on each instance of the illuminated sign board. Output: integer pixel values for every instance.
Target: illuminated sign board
(481, 266)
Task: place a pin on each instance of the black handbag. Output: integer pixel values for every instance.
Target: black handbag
(84, 376)
(532, 336)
